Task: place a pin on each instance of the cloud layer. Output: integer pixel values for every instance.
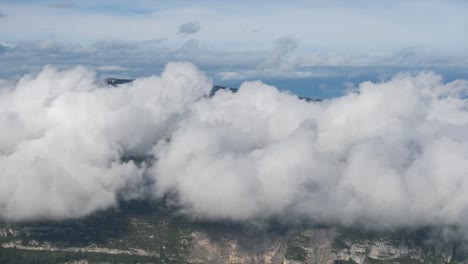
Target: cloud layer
(389, 154)
(395, 153)
(64, 138)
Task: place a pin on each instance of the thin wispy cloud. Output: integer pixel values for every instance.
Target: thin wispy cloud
(280, 60)
(277, 59)
(189, 28)
(62, 5)
(111, 68)
(321, 26)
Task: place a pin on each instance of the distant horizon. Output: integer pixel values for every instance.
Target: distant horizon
(293, 45)
(314, 87)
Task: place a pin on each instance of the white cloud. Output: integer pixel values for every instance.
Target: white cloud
(229, 75)
(64, 138)
(389, 154)
(395, 153)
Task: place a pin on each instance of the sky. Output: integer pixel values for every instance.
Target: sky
(312, 47)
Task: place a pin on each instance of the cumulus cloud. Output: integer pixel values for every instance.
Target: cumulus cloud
(64, 139)
(189, 28)
(393, 153)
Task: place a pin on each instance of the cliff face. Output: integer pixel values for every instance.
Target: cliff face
(319, 245)
(160, 237)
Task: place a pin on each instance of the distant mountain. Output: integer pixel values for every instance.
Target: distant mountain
(117, 81)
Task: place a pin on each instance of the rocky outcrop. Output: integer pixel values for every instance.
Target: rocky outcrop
(8, 232)
(251, 248)
(315, 246)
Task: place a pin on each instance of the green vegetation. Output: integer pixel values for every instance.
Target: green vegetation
(148, 227)
(8, 256)
(295, 248)
(405, 260)
(167, 238)
(344, 262)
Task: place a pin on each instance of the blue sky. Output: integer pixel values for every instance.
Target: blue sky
(295, 43)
